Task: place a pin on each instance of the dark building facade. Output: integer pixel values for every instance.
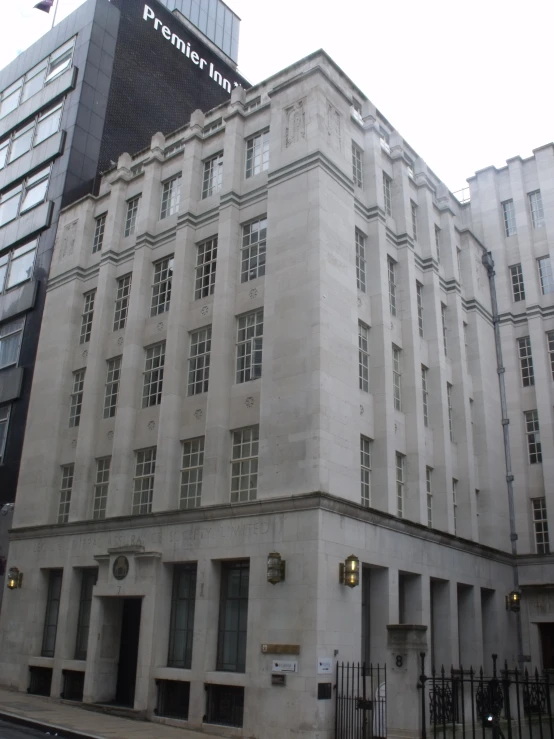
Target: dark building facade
(101, 82)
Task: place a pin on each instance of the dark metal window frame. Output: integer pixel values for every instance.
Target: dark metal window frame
(188, 604)
(55, 578)
(232, 636)
(88, 581)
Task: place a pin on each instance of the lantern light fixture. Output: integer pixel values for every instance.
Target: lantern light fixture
(513, 601)
(275, 568)
(14, 578)
(349, 571)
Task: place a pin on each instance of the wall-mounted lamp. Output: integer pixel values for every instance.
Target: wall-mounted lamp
(349, 571)
(275, 568)
(14, 579)
(513, 601)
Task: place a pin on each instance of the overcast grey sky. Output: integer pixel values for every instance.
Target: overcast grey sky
(468, 84)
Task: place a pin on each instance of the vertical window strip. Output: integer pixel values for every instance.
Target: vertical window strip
(550, 341)
(100, 498)
(450, 411)
(443, 319)
(161, 286)
(131, 217)
(192, 468)
(537, 213)
(365, 468)
(143, 481)
(181, 625)
(153, 375)
(250, 329)
(425, 395)
(233, 616)
(387, 194)
(400, 473)
(419, 294)
(86, 317)
(413, 208)
(99, 227)
(360, 261)
(396, 378)
(357, 171)
(428, 485)
(257, 154)
(244, 465)
(518, 289)
(52, 610)
(199, 361)
(76, 401)
(391, 270)
(545, 274)
(122, 302)
(4, 422)
(363, 356)
(65, 492)
(526, 361)
(455, 504)
(113, 378)
(540, 525)
(171, 195)
(509, 217)
(533, 436)
(438, 243)
(253, 250)
(206, 262)
(88, 581)
(213, 175)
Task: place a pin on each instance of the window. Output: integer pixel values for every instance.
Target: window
(428, 475)
(254, 236)
(233, 617)
(365, 467)
(400, 485)
(191, 473)
(450, 416)
(396, 378)
(419, 294)
(161, 287)
(425, 394)
(51, 615)
(4, 149)
(174, 148)
(88, 581)
(76, 398)
(24, 196)
(199, 361)
(357, 171)
(131, 217)
(257, 154)
(100, 498)
(113, 378)
(21, 141)
(540, 524)
(391, 267)
(60, 60)
(11, 334)
(533, 436)
(535, 203)
(518, 289)
(545, 273)
(122, 302)
(181, 625)
(65, 492)
(509, 217)
(386, 194)
(99, 228)
(438, 243)
(526, 361)
(4, 421)
(363, 356)
(443, 319)
(10, 98)
(360, 261)
(455, 504)
(224, 705)
(414, 219)
(48, 123)
(250, 329)
(206, 261)
(213, 175)
(244, 465)
(171, 194)
(459, 262)
(143, 482)
(153, 375)
(550, 340)
(17, 266)
(86, 317)
(9, 204)
(34, 80)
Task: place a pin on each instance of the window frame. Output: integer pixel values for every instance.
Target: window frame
(143, 482)
(546, 277)
(66, 489)
(240, 635)
(387, 182)
(249, 346)
(391, 275)
(450, 410)
(357, 165)
(536, 208)
(76, 398)
(122, 297)
(253, 251)
(257, 154)
(162, 280)
(244, 467)
(111, 391)
(429, 492)
(6, 339)
(360, 260)
(53, 597)
(5, 412)
(13, 256)
(363, 356)
(212, 177)
(171, 196)
(400, 482)
(413, 208)
(192, 474)
(533, 434)
(397, 377)
(89, 577)
(131, 216)
(99, 229)
(509, 213)
(198, 375)
(540, 525)
(550, 350)
(425, 395)
(153, 374)
(183, 661)
(87, 316)
(526, 370)
(365, 469)
(419, 300)
(101, 487)
(518, 286)
(444, 308)
(206, 266)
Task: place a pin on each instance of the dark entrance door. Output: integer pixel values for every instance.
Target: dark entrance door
(128, 652)
(547, 644)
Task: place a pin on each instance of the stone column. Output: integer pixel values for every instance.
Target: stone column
(405, 643)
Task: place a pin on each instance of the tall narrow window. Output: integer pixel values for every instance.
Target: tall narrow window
(450, 412)
(363, 356)
(535, 204)
(438, 243)
(509, 217)
(4, 422)
(181, 625)
(213, 175)
(443, 320)
(396, 378)
(65, 492)
(161, 287)
(86, 317)
(533, 436)
(233, 616)
(171, 194)
(425, 394)
(206, 262)
(526, 361)
(459, 262)
(400, 485)
(545, 274)
(143, 481)
(253, 250)
(257, 154)
(153, 375)
(386, 194)
(250, 332)
(550, 341)
(540, 524)
(413, 208)
(113, 378)
(100, 499)
(365, 468)
(99, 228)
(518, 289)
(455, 504)
(88, 581)
(419, 293)
(428, 476)
(357, 171)
(122, 302)
(360, 261)
(76, 401)
(131, 217)
(11, 335)
(244, 465)
(51, 616)
(199, 361)
(192, 469)
(391, 269)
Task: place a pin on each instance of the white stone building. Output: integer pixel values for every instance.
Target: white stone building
(273, 332)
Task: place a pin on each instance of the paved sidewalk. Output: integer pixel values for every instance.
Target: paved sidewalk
(73, 722)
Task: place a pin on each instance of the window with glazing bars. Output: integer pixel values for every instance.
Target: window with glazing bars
(131, 217)
(509, 213)
(206, 262)
(181, 625)
(244, 465)
(526, 361)
(428, 476)
(533, 436)
(233, 617)
(535, 204)
(540, 525)
(65, 492)
(443, 320)
(365, 469)
(360, 261)
(363, 356)
(438, 243)
(161, 287)
(357, 171)
(399, 485)
(51, 615)
(113, 378)
(545, 274)
(143, 481)
(253, 250)
(199, 361)
(425, 394)
(122, 302)
(455, 504)
(171, 194)
(11, 335)
(391, 269)
(100, 498)
(518, 289)
(413, 208)
(396, 378)
(213, 175)
(386, 194)
(86, 317)
(88, 581)
(192, 468)
(76, 400)
(99, 228)
(250, 330)
(550, 342)
(257, 154)
(153, 375)
(419, 295)
(450, 412)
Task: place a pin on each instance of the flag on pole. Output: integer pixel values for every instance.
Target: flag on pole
(45, 5)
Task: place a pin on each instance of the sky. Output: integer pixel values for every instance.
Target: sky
(467, 84)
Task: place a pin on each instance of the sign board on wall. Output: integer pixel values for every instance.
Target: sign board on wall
(284, 665)
(324, 665)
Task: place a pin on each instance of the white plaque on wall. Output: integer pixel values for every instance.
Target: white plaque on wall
(324, 665)
(284, 665)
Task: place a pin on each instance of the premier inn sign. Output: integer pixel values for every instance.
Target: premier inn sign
(185, 48)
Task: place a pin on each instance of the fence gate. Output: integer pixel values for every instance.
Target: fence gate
(508, 703)
(360, 701)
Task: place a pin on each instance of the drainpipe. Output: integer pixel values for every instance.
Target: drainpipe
(489, 266)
